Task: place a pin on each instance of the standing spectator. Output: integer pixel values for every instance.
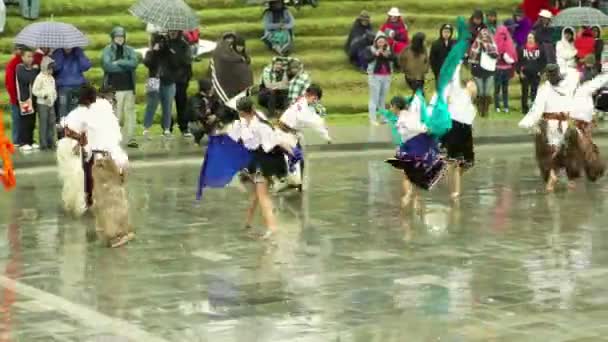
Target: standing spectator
(599, 47)
(396, 31)
(25, 75)
(360, 37)
(414, 62)
(40, 53)
(585, 45)
(382, 62)
(519, 27)
(492, 21)
(70, 65)
(10, 82)
(163, 63)
(299, 80)
(193, 37)
(441, 48)
(543, 34)
(482, 58)
(507, 57)
(278, 27)
(46, 94)
(476, 24)
(531, 63)
(182, 70)
(119, 62)
(274, 86)
(30, 9)
(565, 51)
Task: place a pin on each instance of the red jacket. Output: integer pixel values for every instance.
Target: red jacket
(10, 78)
(585, 44)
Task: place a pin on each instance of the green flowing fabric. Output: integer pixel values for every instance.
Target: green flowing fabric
(391, 120)
(440, 122)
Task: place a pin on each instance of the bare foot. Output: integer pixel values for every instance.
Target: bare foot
(455, 195)
(406, 199)
(120, 241)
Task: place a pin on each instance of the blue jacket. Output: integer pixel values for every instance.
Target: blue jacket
(70, 69)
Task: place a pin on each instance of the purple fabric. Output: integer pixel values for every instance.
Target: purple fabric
(295, 158)
(521, 31)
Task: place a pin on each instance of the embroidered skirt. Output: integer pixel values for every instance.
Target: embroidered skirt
(420, 161)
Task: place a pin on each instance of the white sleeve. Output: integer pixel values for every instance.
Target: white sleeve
(538, 108)
(316, 122)
(594, 84)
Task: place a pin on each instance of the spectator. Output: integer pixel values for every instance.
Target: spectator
(119, 62)
(565, 51)
(482, 58)
(543, 34)
(519, 27)
(230, 69)
(10, 82)
(25, 76)
(382, 62)
(46, 94)
(299, 80)
(274, 86)
(396, 31)
(476, 24)
(206, 112)
(414, 62)
(530, 65)
(193, 37)
(278, 27)
(599, 47)
(584, 44)
(182, 71)
(441, 48)
(492, 21)
(40, 54)
(30, 9)
(70, 65)
(507, 57)
(163, 61)
(361, 36)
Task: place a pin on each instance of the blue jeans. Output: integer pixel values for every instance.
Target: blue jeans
(165, 97)
(15, 117)
(68, 100)
(501, 84)
(379, 86)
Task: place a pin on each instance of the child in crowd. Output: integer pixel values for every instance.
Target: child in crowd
(46, 95)
(25, 75)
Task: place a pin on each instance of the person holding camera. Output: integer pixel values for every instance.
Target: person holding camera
(167, 62)
(381, 63)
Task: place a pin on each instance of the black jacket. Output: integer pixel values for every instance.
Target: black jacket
(200, 108)
(439, 52)
(357, 32)
(531, 63)
(172, 63)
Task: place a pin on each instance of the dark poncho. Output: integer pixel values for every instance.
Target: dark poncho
(230, 71)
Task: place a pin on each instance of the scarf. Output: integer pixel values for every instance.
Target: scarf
(481, 45)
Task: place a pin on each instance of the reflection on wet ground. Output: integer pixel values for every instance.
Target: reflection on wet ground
(507, 263)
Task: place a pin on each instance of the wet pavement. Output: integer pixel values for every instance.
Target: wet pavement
(506, 263)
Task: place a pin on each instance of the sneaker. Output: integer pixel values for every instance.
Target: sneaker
(374, 123)
(506, 110)
(35, 146)
(167, 133)
(133, 144)
(147, 135)
(497, 110)
(187, 135)
(26, 148)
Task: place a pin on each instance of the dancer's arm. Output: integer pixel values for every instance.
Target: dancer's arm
(594, 84)
(538, 108)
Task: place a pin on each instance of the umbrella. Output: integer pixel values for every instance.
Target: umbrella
(166, 14)
(580, 16)
(51, 34)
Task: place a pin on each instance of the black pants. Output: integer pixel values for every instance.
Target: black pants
(181, 104)
(272, 100)
(529, 85)
(27, 123)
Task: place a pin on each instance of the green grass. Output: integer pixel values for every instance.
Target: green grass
(320, 35)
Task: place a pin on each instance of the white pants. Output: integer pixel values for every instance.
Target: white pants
(125, 111)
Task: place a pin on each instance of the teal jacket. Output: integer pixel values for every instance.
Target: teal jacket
(110, 64)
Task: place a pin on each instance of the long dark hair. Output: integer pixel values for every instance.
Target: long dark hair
(277, 14)
(417, 46)
(87, 95)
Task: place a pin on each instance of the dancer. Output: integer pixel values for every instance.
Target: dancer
(548, 118)
(302, 113)
(459, 139)
(418, 155)
(582, 113)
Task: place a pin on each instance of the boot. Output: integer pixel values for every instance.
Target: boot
(487, 104)
(478, 104)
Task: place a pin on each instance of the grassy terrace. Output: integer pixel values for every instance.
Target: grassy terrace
(320, 35)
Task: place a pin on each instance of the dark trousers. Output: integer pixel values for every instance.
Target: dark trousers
(46, 127)
(501, 85)
(272, 100)
(181, 104)
(87, 167)
(529, 86)
(27, 123)
(415, 84)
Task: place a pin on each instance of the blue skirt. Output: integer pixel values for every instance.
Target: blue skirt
(420, 160)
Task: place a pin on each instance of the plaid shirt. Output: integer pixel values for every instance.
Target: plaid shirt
(297, 86)
(270, 77)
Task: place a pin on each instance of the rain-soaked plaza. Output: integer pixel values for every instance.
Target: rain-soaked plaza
(505, 263)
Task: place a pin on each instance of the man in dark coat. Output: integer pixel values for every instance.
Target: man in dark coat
(441, 48)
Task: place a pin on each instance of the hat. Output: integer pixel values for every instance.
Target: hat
(364, 15)
(491, 13)
(545, 14)
(394, 12)
(552, 68)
